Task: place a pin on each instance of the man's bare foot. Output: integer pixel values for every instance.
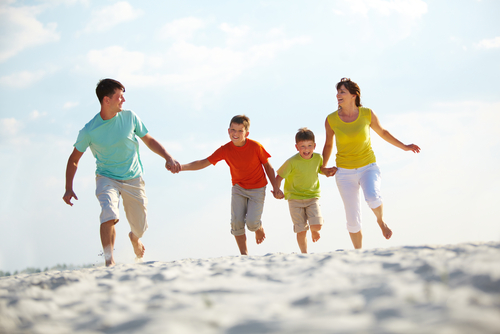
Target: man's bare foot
(386, 231)
(260, 235)
(315, 235)
(139, 248)
(108, 257)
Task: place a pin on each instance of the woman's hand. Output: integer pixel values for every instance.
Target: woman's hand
(412, 147)
(328, 171)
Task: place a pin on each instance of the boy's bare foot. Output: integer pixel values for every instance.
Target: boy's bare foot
(315, 235)
(139, 248)
(260, 235)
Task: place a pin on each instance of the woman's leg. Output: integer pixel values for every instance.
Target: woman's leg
(357, 239)
(371, 184)
(348, 184)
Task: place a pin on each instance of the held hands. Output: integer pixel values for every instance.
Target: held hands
(412, 147)
(68, 195)
(173, 166)
(329, 171)
(278, 194)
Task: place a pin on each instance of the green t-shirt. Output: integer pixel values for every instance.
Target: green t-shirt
(114, 144)
(301, 176)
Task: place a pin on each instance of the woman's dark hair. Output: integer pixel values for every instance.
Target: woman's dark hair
(352, 87)
(107, 87)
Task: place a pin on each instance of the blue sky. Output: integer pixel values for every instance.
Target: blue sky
(429, 69)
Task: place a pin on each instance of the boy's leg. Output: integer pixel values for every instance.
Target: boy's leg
(313, 213)
(108, 236)
(108, 194)
(135, 204)
(302, 241)
(315, 235)
(239, 205)
(241, 241)
(255, 208)
(299, 219)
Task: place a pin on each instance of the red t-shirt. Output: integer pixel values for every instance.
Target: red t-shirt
(245, 163)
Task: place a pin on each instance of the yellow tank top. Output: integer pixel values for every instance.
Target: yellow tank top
(354, 148)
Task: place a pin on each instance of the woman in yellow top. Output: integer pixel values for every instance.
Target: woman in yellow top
(355, 160)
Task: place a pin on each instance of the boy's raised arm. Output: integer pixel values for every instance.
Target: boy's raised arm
(196, 165)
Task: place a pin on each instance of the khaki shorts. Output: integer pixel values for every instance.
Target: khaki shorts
(304, 210)
(108, 192)
(246, 209)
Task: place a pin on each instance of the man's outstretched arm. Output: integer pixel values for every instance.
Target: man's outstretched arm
(71, 168)
(155, 146)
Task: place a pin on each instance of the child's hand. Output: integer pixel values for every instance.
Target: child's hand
(173, 166)
(329, 171)
(278, 194)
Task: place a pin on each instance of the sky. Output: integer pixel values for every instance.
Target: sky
(428, 69)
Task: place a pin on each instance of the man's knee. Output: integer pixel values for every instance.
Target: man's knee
(110, 223)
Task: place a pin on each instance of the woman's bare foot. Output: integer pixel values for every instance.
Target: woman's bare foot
(139, 248)
(386, 231)
(260, 235)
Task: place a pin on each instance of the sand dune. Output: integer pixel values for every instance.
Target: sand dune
(427, 289)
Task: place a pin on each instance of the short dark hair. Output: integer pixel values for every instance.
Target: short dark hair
(107, 87)
(352, 87)
(304, 134)
(241, 119)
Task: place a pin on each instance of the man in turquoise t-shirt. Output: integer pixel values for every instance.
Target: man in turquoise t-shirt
(112, 137)
(302, 191)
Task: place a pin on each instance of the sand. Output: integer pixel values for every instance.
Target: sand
(424, 289)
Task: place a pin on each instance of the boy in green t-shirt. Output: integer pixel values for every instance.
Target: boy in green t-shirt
(302, 191)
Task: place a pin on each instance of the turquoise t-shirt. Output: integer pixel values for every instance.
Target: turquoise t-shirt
(114, 144)
(301, 176)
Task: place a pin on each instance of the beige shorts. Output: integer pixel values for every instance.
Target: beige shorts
(246, 209)
(304, 210)
(133, 193)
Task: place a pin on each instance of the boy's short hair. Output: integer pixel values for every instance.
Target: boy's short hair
(107, 87)
(241, 119)
(304, 134)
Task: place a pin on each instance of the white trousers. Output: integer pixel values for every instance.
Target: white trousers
(349, 181)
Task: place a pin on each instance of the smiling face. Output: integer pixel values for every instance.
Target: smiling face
(116, 101)
(238, 134)
(306, 148)
(344, 97)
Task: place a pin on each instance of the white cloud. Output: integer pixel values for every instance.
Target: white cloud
(10, 127)
(492, 43)
(406, 8)
(21, 30)
(108, 17)
(22, 79)
(69, 105)
(182, 29)
(234, 34)
(189, 68)
(383, 20)
(67, 2)
(116, 61)
(35, 114)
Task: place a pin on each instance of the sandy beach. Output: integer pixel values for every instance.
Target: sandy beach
(417, 289)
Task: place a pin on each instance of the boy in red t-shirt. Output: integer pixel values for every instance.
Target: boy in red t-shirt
(245, 158)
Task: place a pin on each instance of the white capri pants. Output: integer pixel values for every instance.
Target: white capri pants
(349, 181)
